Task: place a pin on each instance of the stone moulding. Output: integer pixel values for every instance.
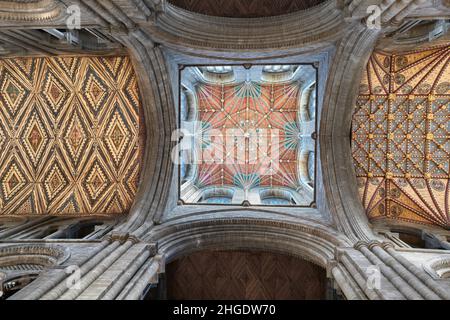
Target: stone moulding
(42, 256)
(245, 9)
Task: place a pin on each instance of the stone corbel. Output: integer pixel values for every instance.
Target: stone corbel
(117, 30)
(142, 37)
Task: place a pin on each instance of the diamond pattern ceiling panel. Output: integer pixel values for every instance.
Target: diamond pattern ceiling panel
(401, 136)
(70, 136)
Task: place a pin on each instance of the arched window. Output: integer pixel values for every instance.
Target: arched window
(217, 195)
(276, 201)
(276, 197)
(21, 264)
(15, 284)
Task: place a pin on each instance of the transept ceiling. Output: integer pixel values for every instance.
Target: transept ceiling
(70, 135)
(401, 136)
(251, 142)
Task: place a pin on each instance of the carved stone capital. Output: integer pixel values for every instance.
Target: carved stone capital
(373, 244)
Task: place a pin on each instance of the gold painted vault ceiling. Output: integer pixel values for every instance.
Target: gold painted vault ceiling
(401, 137)
(70, 135)
(245, 8)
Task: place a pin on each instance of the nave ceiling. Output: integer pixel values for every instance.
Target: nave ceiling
(70, 135)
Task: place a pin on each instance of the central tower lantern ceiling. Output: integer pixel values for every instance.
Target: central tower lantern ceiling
(247, 137)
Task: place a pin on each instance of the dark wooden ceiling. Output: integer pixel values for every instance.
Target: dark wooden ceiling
(245, 8)
(239, 275)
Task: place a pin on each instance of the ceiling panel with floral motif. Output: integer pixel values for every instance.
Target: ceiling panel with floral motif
(401, 136)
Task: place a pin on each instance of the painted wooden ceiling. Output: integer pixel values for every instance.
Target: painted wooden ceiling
(238, 111)
(401, 136)
(70, 136)
(245, 8)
